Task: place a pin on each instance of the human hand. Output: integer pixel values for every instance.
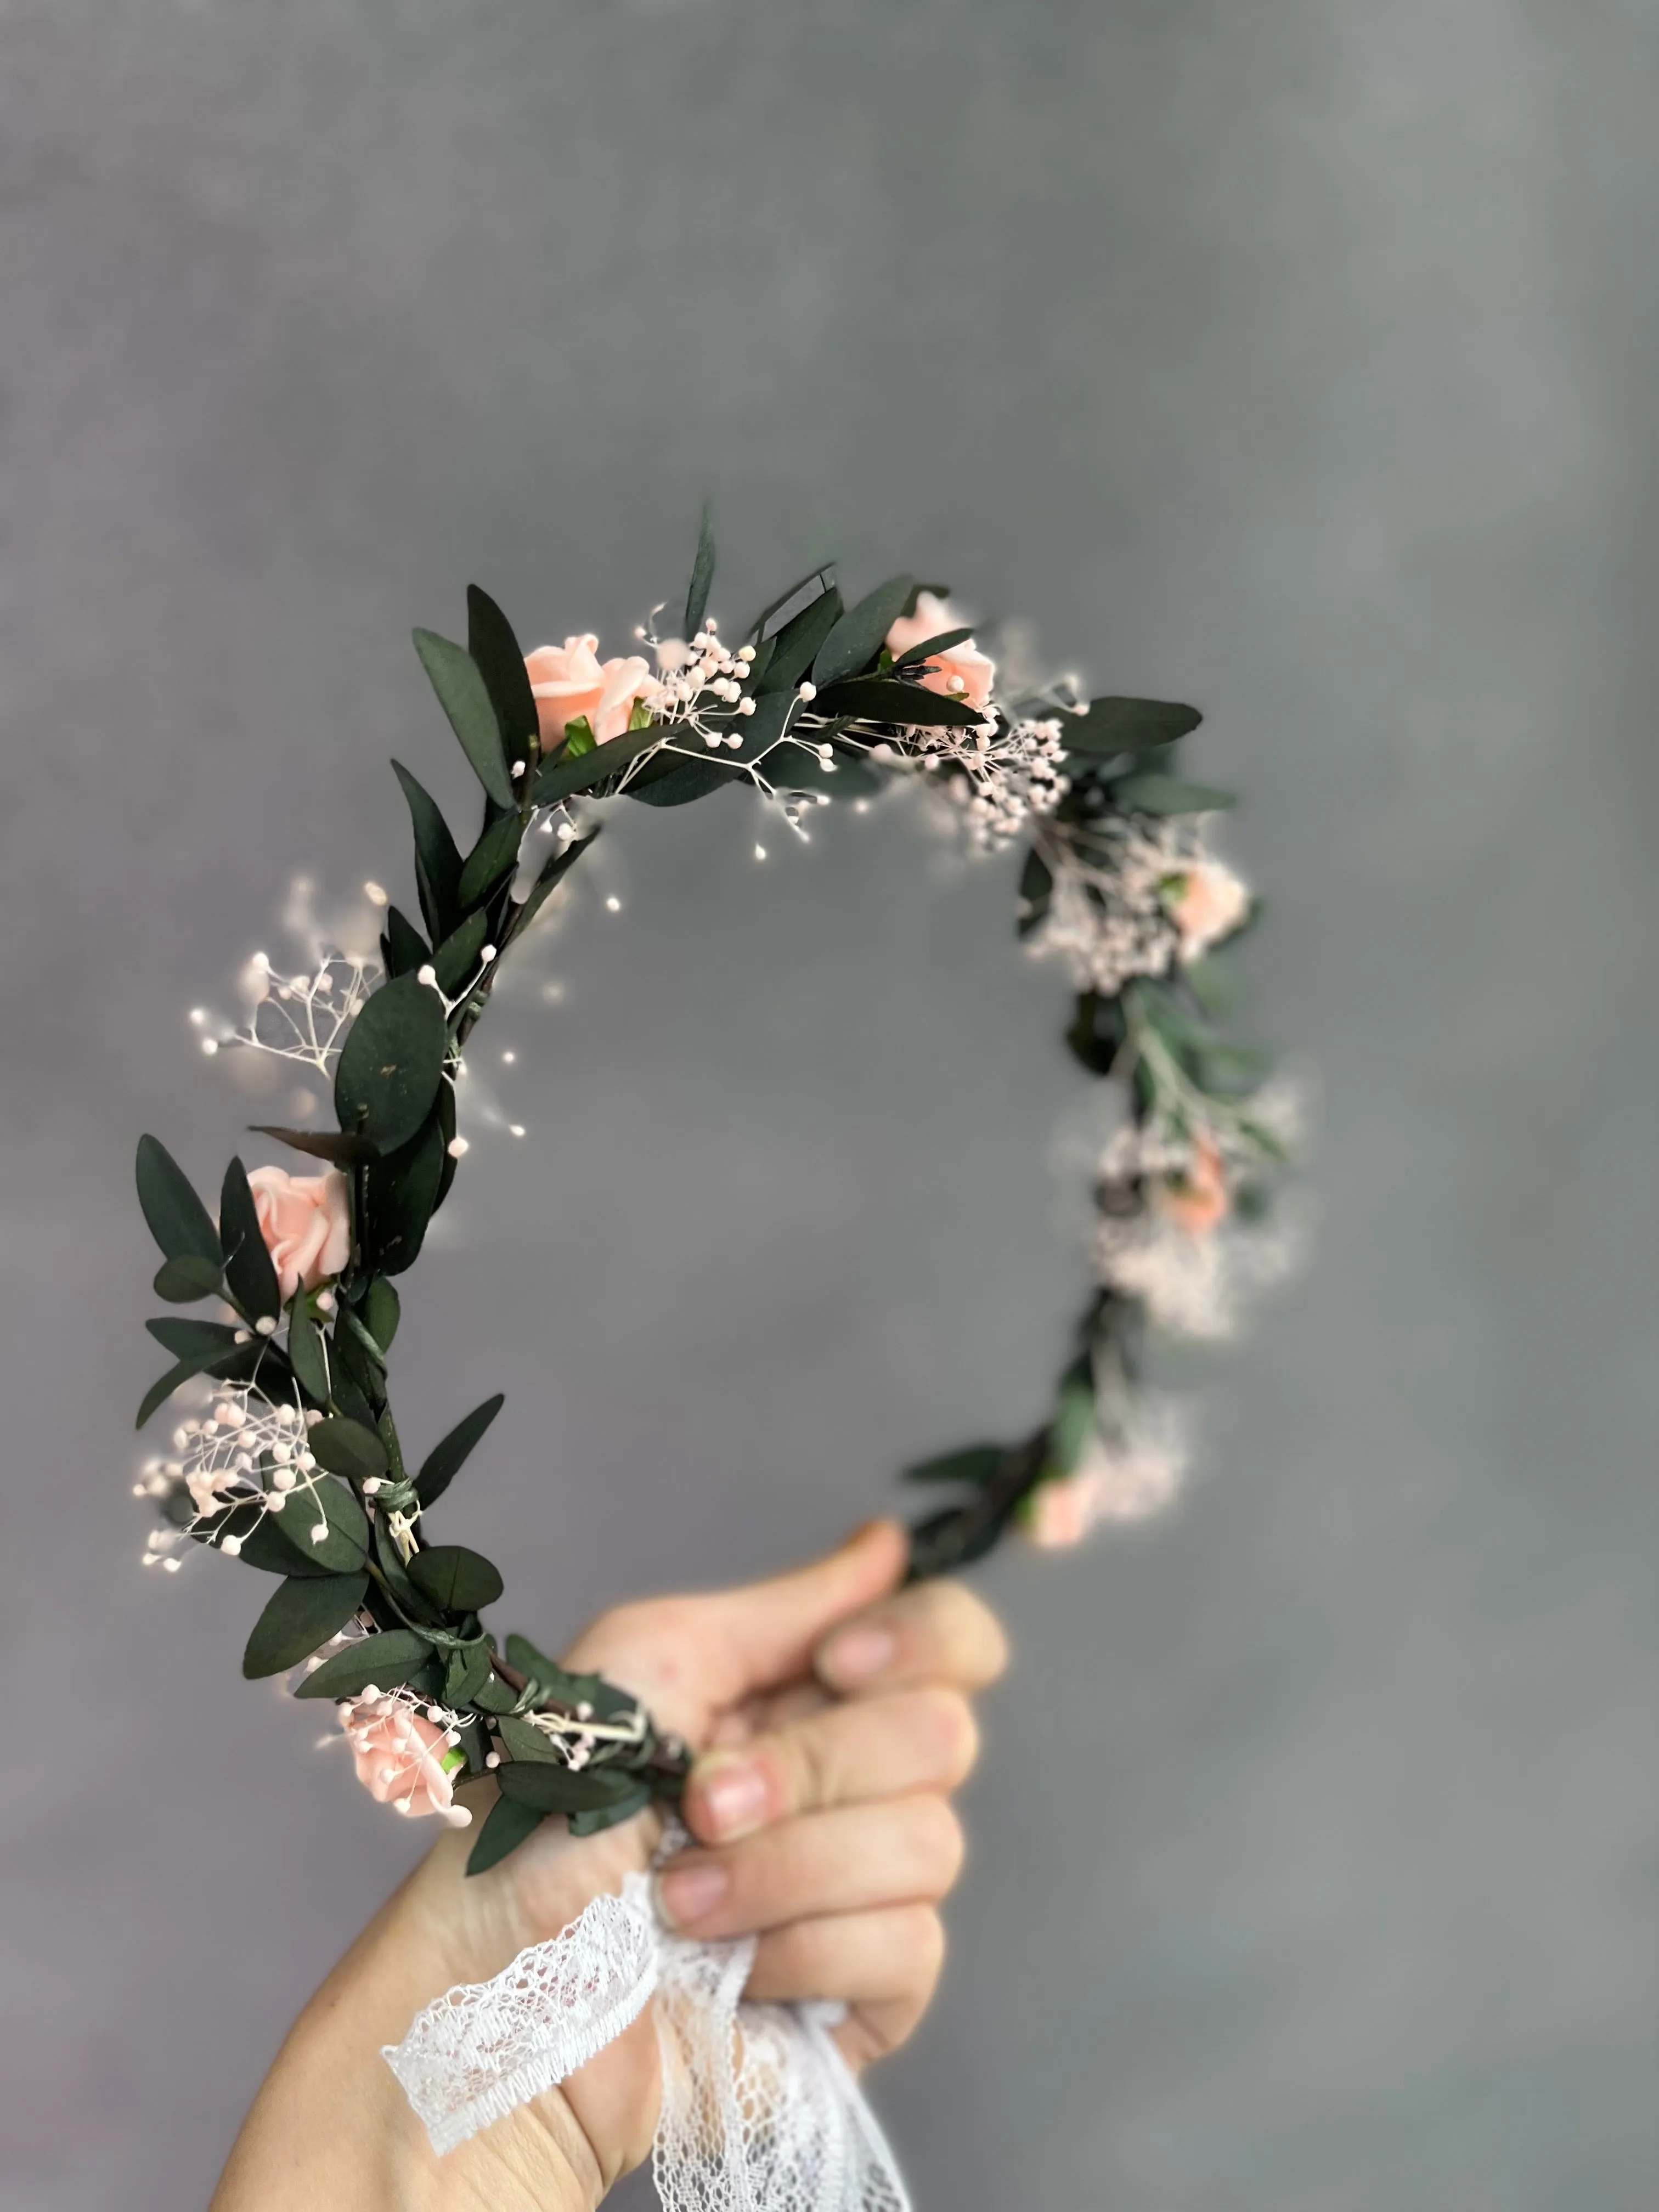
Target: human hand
(831, 1711)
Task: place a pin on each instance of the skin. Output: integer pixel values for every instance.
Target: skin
(831, 1710)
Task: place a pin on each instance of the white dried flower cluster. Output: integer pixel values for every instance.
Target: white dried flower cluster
(304, 1018)
(1235, 1134)
(1110, 916)
(1127, 1471)
(241, 1451)
(1002, 773)
(577, 1740)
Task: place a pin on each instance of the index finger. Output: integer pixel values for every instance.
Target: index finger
(934, 1631)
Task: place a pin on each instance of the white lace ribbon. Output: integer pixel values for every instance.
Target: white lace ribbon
(759, 2111)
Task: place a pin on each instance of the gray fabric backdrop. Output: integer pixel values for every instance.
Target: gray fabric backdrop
(1298, 358)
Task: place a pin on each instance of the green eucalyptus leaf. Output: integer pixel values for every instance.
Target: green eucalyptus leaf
(382, 1309)
(553, 873)
(931, 648)
(263, 1543)
(1167, 794)
(346, 1448)
(509, 1825)
(601, 1817)
(444, 1461)
(301, 1615)
(499, 660)
(677, 781)
(385, 1660)
(891, 699)
(1127, 726)
(798, 642)
(305, 1350)
(190, 1340)
(248, 1269)
(179, 1221)
(330, 1145)
(454, 1578)
(495, 857)
(403, 1192)
(702, 576)
(456, 960)
(565, 777)
(392, 1063)
(520, 1741)
(975, 1463)
(554, 1789)
(326, 1502)
(437, 857)
(464, 697)
(824, 576)
(861, 633)
(466, 1672)
(406, 949)
(182, 1281)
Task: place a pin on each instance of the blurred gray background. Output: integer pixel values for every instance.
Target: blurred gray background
(1298, 358)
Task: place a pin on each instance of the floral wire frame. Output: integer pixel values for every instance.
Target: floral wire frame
(296, 1466)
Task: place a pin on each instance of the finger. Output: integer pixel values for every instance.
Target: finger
(935, 1631)
(892, 1956)
(848, 1754)
(905, 1850)
(691, 1656)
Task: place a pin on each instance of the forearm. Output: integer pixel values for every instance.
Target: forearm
(331, 2131)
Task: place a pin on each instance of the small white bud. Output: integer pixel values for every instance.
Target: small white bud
(488, 955)
(745, 706)
(276, 1503)
(313, 1417)
(325, 1302)
(371, 1488)
(518, 768)
(181, 1436)
(428, 976)
(319, 1532)
(241, 1337)
(210, 1046)
(745, 652)
(265, 1325)
(231, 1546)
(457, 1147)
(261, 961)
(170, 1566)
(492, 1759)
(806, 691)
(375, 894)
(760, 852)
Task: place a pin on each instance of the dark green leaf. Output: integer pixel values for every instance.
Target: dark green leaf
(1127, 726)
(330, 1145)
(609, 1816)
(438, 857)
(326, 1502)
(861, 633)
(520, 1741)
(382, 1309)
(562, 779)
(553, 873)
(891, 699)
(191, 1340)
(798, 640)
(403, 1194)
(702, 575)
(444, 1461)
(579, 738)
(466, 1672)
(495, 1696)
(931, 648)
(1073, 1420)
(1097, 1032)
(676, 782)
(975, 1463)
(1167, 794)
(508, 1826)
(392, 1063)
(406, 949)
(248, 1270)
(824, 574)
(464, 697)
(178, 1220)
(499, 661)
(455, 1578)
(353, 1362)
(305, 1350)
(347, 1448)
(302, 1613)
(456, 960)
(263, 1545)
(386, 1661)
(553, 1788)
(181, 1282)
(495, 856)
(607, 1700)
(446, 1138)
(230, 1361)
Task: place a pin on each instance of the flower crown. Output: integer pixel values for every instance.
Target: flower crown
(292, 1460)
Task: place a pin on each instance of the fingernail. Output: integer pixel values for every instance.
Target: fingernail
(856, 1654)
(688, 1893)
(732, 1794)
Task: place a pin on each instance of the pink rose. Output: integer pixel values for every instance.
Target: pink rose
(305, 1222)
(570, 681)
(404, 1758)
(1210, 905)
(1198, 1202)
(961, 671)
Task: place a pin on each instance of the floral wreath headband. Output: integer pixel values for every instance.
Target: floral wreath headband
(291, 1459)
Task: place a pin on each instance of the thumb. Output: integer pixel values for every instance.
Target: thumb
(765, 1634)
